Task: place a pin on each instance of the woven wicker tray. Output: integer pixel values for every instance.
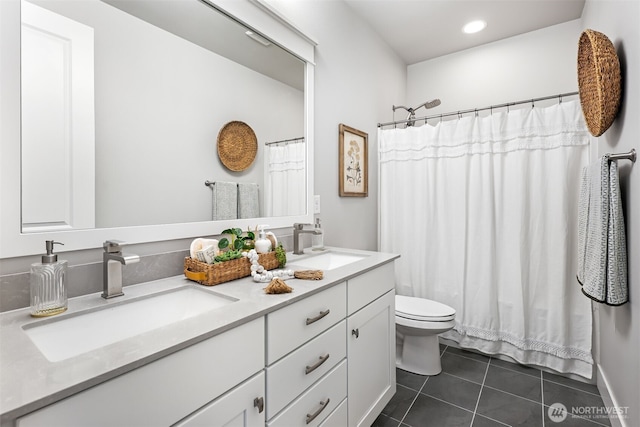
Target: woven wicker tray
(214, 274)
(599, 81)
(237, 146)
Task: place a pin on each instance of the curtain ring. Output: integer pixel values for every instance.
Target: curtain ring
(440, 118)
(507, 108)
(560, 99)
(533, 104)
(476, 112)
(491, 110)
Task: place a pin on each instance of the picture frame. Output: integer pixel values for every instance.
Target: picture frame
(353, 162)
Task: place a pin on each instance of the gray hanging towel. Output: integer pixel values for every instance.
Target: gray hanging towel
(248, 200)
(602, 252)
(225, 200)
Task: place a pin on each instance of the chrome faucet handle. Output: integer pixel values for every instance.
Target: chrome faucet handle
(113, 246)
(299, 225)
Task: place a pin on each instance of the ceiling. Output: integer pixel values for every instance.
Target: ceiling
(418, 30)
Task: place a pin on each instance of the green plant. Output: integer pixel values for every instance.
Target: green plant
(238, 241)
(228, 256)
(281, 255)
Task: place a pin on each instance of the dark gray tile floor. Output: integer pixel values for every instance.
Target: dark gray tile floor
(482, 391)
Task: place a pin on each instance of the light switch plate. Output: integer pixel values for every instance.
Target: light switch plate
(316, 204)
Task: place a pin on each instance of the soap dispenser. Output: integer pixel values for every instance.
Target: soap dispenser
(317, 239)
(262, 245)
(48, 283)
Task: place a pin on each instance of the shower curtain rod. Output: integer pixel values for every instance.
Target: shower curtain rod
(285, 140)
(475, 110)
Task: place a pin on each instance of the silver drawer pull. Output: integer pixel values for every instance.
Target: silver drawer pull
(309, 369)
(311, 417)
(258, 402)
(318, 317)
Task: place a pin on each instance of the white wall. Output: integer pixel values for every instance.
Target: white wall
(619, 337)
(358, 79)
(534, 64)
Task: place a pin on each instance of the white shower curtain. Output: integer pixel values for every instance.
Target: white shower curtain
(285, 181)
(483, 211)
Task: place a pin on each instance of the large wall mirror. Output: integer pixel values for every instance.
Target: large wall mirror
(121, 103)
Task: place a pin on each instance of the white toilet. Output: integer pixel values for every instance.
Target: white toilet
(418, 323)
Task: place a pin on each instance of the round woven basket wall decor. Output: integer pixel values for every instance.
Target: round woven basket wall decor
(598, 81)
(237, 146)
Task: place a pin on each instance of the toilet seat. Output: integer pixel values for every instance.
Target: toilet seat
(422, 309)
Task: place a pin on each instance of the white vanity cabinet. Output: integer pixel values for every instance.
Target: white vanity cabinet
(370, 344)
(331, 356)
(325, 360)
(169, 389)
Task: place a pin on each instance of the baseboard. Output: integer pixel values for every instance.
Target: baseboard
(609, 398)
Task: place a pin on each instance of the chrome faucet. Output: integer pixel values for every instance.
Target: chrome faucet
(112, 261)
(299, 229)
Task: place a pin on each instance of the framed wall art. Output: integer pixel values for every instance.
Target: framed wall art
(353, 162)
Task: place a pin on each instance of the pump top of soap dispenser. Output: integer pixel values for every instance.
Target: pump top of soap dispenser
(261, 233)
(262, 245)
(50, 257)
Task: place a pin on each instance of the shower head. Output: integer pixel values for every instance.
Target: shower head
(412, 115)
(429, 104)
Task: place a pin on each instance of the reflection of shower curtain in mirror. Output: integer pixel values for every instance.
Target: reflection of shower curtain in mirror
(285, 179)
(483, 211)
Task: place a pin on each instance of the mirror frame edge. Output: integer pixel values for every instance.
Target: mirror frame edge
(256, 15)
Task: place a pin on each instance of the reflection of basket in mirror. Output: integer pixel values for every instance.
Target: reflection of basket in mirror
(237, 146)
(598, 81)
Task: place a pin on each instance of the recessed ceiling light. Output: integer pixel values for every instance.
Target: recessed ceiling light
(474, 26)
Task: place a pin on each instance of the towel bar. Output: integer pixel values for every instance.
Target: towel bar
(631, 155)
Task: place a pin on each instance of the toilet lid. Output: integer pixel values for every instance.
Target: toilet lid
(423, 309)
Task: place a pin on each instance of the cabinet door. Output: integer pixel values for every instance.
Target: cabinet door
(371, 378)
(241, 407)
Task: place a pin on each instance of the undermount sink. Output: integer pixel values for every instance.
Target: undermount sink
(77, 334)
(328, 260)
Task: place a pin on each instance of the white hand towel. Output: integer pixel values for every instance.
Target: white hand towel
(602, 256)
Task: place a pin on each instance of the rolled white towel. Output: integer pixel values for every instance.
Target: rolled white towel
(199, 244)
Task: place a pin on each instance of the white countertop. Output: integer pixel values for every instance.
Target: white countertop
(28, 381)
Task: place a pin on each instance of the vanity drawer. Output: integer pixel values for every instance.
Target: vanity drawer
(337, 417)
(363, 289)
(291, 375)
(317, 402)
(292, 326)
